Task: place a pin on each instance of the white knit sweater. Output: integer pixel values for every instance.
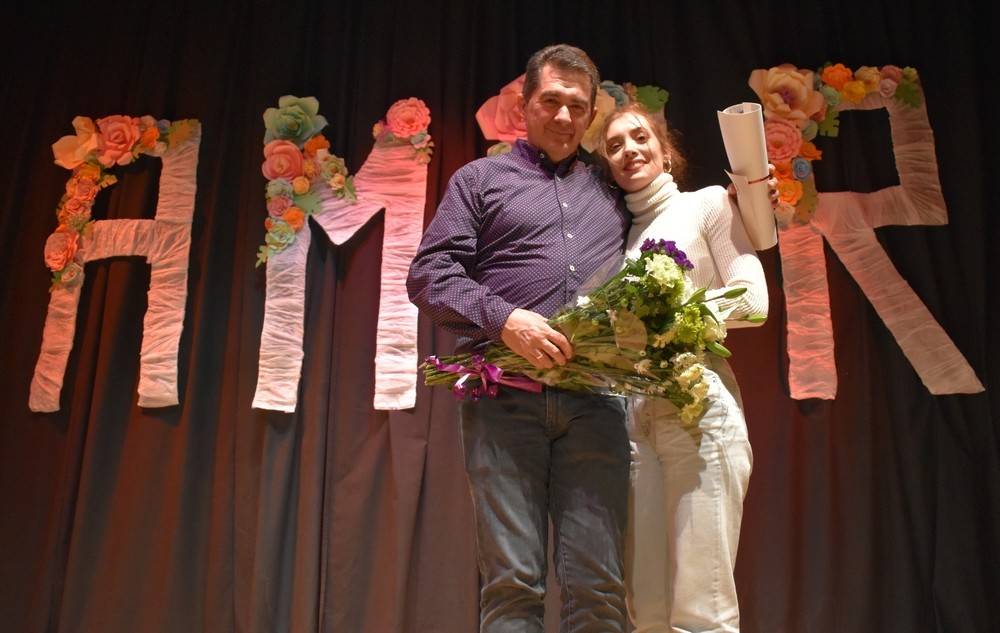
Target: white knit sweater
(706, 225)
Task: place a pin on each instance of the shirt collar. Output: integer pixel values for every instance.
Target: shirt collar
(540, 158)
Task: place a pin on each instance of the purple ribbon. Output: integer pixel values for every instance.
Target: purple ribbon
(490, 378)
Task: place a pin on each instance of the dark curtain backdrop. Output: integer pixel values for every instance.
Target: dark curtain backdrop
(877, 511)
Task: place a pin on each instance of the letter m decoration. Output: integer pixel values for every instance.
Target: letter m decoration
(164, 241)
(306, 181)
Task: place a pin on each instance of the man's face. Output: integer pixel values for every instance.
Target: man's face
(558, 112)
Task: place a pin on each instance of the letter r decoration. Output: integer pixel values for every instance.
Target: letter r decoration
(165, 241)
(847, 220)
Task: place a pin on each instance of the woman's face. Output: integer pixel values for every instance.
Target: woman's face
(634, 153)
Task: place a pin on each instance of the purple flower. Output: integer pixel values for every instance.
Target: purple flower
(669, 248)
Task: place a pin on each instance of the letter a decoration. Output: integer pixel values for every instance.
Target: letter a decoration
(800, 105)
(165, 242)
(306, 180)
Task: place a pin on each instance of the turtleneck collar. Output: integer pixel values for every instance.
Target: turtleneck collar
(652, 196)
(540, 158)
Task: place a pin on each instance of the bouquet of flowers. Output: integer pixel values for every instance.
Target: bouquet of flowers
(641, 331)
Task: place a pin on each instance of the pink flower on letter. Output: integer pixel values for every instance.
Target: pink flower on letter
(500, 118)
(118, 134)
(783, 140)
(282, 159)
(406, 117)
(60, 249)
(277, 206)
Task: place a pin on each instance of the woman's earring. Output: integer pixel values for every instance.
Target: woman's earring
(670, 164)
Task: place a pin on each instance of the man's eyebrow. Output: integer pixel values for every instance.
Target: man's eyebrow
(554, 93)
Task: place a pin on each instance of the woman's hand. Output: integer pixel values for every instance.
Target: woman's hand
(772, 187)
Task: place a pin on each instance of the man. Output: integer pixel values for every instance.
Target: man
(513, 239)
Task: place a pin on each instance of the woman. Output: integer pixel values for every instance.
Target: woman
(688, 480)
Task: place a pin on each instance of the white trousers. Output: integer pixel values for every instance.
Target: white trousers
(685, 507)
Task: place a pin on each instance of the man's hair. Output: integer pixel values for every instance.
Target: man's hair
(563, 57)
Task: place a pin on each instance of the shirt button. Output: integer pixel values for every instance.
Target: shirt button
(565, 204)
(569, 235)
(572, 268)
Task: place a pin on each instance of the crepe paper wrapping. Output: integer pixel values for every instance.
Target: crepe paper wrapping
(742, 127)
(392, 180)
(811, 369)
(165, 242)
(847, 220)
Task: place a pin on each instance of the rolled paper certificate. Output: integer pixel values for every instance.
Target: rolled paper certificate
(742, 128)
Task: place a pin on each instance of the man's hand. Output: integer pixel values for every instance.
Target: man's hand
(528, 334)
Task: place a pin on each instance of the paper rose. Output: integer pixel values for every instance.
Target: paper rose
(783, 140)
(71, 275)
(118, 134)
(787, 92)
(70, 151)
(407, 117)
(282, 159)
(75, 214)
(500, 118)
(84, 189)
(60, 248)
(295, 120)
(279, 233)
(295, 218)
(836, 75)
(277, 205)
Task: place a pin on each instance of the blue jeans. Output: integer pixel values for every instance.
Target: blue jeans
(531, 456)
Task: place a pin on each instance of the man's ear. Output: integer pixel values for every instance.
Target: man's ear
(521, 103)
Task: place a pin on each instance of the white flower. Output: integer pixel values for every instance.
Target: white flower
(642, 367)
(714, 330)
(665, 270)
(662, 340)
(691, 411)
(583, 302)
(689, 376)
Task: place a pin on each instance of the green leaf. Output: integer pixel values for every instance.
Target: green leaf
(309, 202)
(350, 193)
(718, 349)
(697, 297)
(651, 97)
(830, 126)
(181, 131)
(262, 255)
(908, 93)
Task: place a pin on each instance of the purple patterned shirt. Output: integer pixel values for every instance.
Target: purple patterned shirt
(514, 231)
